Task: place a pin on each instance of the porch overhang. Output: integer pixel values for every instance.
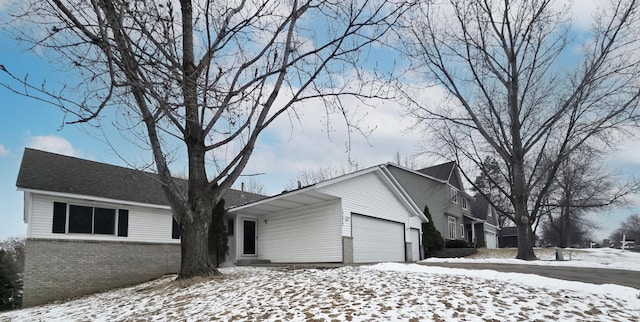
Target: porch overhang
(283, 202)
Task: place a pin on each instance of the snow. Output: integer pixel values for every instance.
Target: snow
(382, 292)
(591, 257)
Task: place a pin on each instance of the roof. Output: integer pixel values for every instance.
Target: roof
(46, 171)
(440, 171)
(311, 194)
(444, 172)
(480, 207)
(509, 231)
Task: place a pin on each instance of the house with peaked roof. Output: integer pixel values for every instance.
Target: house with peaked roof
(440, 189)
(361, 217)
(482, 227)
(94, 226)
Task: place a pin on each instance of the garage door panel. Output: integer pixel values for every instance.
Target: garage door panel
(377, 240)
(491, 239)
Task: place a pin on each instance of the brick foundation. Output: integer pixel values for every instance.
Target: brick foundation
(60, 269)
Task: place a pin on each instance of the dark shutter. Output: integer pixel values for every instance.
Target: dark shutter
(59, 217)
(175, 229)
(230, 227)
(123, 222)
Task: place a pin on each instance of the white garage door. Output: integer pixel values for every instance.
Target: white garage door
(377, 240)
(415, 244)
(491, 238)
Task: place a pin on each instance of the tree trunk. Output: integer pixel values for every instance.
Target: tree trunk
(525, 234)
(194, 249)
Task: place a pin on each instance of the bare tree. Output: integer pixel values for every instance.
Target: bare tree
(513, 94)
(581, 185)
(408, 161)
(202, 79)
(630, 228)
(310, 176)
(252, 184)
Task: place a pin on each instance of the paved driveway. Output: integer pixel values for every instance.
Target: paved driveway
(580, 274)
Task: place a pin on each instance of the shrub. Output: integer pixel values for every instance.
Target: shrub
(218, 241)
(456, 243)
(431, 239)
(11, 269)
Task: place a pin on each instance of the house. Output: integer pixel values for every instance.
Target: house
(482, 226)
(508, 237)
(93, 226)
(361, 217)
(440, 189)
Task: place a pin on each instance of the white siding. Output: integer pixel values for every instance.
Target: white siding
(368, 195)
(377, 240)
(308, 234)
(145, 224)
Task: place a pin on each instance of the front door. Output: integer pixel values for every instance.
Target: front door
(249, 239)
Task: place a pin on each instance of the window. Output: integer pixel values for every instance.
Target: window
(452, 228)
(454, 195)
(464, 203)
(89, 220)
(175, 229)
(462, 230)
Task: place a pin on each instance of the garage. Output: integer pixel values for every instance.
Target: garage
(377, 240)
(491, 238)
(415, 244)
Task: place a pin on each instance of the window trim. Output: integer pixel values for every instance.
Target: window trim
(451, 227)
(119, 216)
(454, 195)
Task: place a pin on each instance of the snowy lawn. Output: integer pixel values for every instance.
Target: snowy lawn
(383, 292)
(590, 257)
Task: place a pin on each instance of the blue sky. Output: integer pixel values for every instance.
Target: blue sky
(287, 148)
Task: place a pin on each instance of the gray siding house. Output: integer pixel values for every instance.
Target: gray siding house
(440, 189)
(482, 228)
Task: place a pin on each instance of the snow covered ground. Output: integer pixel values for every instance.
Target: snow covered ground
(383, 292)
(590, 257)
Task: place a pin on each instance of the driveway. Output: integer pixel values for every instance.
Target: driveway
(580, 274)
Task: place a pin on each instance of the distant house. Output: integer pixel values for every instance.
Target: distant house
(440, 189)
(94, 226)
(482, 225)
(508, 237)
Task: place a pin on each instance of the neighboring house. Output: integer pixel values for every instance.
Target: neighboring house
(360, 217)
(440, 189)
(94, 226)
(508, 237)
(481, 227)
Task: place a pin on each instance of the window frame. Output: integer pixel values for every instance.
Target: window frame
(454, 195)
(465, 203)
(451, 227)
(120, 219)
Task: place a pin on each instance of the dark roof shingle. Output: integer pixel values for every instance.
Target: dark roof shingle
(48, 171)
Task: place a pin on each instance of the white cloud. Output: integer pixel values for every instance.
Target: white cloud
(4, 151)
(52, 143)
(290, 146)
